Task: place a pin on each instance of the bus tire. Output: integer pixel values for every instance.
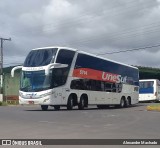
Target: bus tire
(99, 106)
(70, 103)
(44, 107)
(81, 104)
(56, 107)
(122, 103)
(127, 102)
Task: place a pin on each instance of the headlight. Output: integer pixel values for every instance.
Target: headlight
(44, 95)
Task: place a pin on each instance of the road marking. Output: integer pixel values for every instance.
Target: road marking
(86, 126)
(112, 115)
(47, 122)
(107, 125)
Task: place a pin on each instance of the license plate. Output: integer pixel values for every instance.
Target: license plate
(31, 102)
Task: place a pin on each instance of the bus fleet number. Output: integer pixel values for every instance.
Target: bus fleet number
(83, 72)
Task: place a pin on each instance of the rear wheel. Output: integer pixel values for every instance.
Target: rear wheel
(127, 103)
(44, 107)
(56, 107)
(81, 104)
(122, 103)
(70, 103)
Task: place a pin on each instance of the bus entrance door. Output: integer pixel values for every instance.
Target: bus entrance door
(65, 92)
(57, 96)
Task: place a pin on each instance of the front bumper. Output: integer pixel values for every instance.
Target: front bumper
(40, 101)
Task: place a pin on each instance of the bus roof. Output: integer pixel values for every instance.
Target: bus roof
(59, 47)
(83, 52)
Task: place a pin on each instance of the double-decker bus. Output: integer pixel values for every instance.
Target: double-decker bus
(149, 90)
(61, 76)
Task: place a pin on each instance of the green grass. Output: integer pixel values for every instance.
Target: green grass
(3, 103)
(154, 107)
(9, 102)
(12, 102)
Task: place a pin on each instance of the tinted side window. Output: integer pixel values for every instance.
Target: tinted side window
(58, 76)
(95, 85)
(65, 57)
(86, 61)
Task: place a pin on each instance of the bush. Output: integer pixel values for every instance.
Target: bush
(3, 103)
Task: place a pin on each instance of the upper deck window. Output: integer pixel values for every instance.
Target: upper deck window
(65, 57)
(40, 57)
(95, 63)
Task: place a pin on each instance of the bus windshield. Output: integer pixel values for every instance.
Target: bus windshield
(34, 81)
(146, 87)
(40, 57)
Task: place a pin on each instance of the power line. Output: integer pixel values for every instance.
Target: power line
(122, 34)
(129, 50)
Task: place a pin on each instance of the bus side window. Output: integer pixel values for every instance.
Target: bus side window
(64, 75)
(102, 86)
(77, 84)
(81, 84)
(98, 85)
(73, 84)
(108, 87)
(88, 84)
(113, 87)
(119, 87)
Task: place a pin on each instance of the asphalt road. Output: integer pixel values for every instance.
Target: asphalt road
(30, 122)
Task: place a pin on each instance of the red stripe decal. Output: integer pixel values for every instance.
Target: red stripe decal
(96, 75)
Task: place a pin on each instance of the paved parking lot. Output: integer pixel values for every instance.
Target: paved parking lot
(30, 122)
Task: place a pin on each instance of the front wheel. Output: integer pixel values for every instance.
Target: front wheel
(70, 103)
(56, 107)
(44, 107)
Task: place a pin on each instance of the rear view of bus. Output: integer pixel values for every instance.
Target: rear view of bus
(149, 90)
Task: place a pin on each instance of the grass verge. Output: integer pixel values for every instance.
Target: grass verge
(9, 102)
(3, 103)
(155, 107)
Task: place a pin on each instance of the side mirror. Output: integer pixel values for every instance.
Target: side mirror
(15, 68)
(54, 65)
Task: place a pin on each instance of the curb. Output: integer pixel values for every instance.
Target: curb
(153, 108)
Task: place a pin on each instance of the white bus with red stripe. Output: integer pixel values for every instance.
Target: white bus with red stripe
(61, 76)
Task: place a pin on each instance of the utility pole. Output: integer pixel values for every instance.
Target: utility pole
(1, 63)
(1, 55)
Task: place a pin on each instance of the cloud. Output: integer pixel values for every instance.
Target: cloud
(97, 26)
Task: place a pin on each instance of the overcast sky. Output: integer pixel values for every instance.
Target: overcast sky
(95, 26)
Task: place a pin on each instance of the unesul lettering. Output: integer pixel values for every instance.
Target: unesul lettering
(113, 77)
